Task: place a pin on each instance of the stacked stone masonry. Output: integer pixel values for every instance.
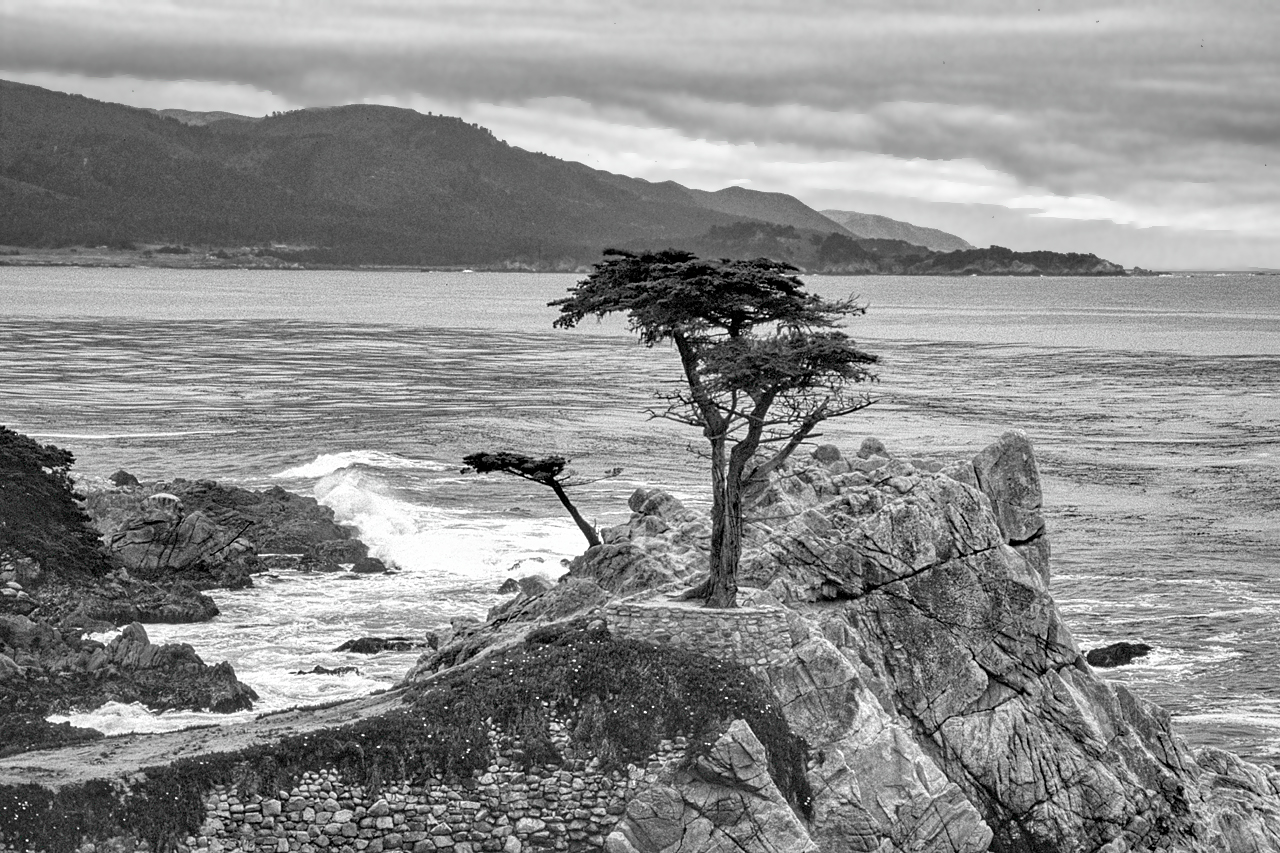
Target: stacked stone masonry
(506, 807)
(751, 635)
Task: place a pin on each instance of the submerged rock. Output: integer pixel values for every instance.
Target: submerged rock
(368, 566)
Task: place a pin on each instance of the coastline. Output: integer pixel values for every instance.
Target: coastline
(935, 644)
(244, 258)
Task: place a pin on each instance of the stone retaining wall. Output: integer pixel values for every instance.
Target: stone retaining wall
(570, 807)
(752, 636)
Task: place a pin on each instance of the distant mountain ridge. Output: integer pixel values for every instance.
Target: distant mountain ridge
(367, 184)
(872, 226)
(201, 119)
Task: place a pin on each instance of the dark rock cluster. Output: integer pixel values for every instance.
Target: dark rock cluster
(143, 553)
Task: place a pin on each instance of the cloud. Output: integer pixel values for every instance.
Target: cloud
(194, 95)
(1147, 113)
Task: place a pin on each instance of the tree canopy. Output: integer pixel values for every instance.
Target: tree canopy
(762, 358)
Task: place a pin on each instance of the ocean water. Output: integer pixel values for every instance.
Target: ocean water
(1154, 405)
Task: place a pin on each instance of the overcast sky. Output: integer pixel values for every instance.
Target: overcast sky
(1147, 132)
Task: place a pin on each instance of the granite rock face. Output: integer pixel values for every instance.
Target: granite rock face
(946, 704)
(160, 538)
(50, 671)
(209, 535)
(726, 802)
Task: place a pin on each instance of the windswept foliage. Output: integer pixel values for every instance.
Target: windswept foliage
(39, 515)
(549, 471)
(763, 363)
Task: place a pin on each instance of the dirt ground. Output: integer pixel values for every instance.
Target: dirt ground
(122, 755)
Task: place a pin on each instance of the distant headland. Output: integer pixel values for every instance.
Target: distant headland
(98, 184)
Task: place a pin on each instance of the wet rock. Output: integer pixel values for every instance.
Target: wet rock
(308, 563)
(274, 521)
(1117, 654)
(324, 670)
(369, 566)
(872, 447)
(374, 645)
(63, 671)
(132, 601)
(338, 551)
(123, 479)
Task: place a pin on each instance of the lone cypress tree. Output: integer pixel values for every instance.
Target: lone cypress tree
(763, 366)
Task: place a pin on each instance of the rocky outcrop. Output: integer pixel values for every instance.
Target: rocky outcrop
(121, 600)
(162, 677)
(44, 671)
(947, 704)
(725, 801)
(509, 623)
(899, 624)
(210, 535)
(160, 538)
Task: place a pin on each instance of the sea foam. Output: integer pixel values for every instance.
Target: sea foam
(327, 463)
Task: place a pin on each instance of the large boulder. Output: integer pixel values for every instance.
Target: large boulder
(209, 535)
(161, 538)
(163, 677)
(651, 550)
(1007, 474)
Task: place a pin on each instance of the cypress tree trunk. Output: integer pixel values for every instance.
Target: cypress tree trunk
(717, 515)
(726, 529)
(588, 531)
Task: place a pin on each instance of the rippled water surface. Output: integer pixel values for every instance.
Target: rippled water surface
(1154, 405)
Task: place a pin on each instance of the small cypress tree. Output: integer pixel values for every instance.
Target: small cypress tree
(547, 470)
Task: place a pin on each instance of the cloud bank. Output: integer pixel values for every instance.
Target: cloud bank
(1157, 115)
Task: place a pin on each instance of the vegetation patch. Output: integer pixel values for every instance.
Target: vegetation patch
(620, 698)
(39, 516)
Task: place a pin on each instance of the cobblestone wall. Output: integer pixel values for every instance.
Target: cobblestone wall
(753, 636)
(571, 807)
